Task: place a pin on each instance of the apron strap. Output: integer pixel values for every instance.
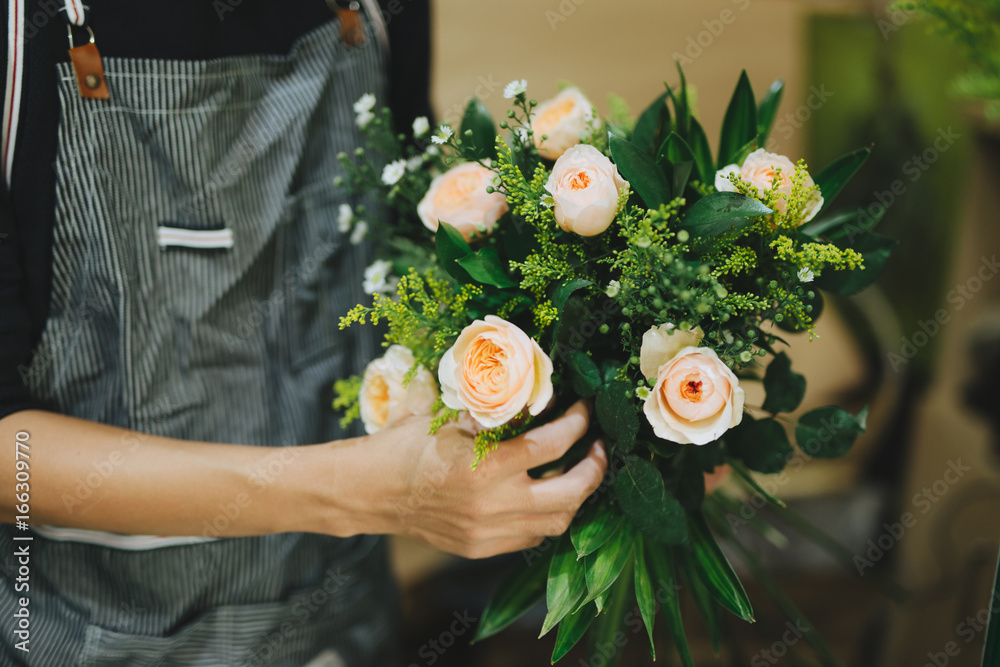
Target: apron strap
(76, 13)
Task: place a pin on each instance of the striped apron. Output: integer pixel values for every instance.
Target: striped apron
(198, 280)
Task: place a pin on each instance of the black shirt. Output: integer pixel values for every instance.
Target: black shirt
(181, 30)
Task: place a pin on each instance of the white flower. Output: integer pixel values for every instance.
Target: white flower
(393, 171)
(432, 151)
(444, 133)
(613, 288)
(360, 232)
(515, 88)
(522, 134)
(420, 126)
(377, 277)
(344, 217)
(586, 187)
(413, 163)
(364, 118)
(806, 275)
(365, 103)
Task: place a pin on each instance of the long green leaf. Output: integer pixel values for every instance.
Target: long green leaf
(835, 176)
(481, 143)
(767, 110)
(698, 141)
(520, 590)
(566, 584)
(703, 599)
(605, 565)
(590, 532)
(641, 172)
(651, 124)
(661, 563)
(571, 631)
(721, 212)
(450, 246)
(715, 570)
(485, 267)
(991, 651)
(749, 480)
(610, 622)
(645, 595)
(739, 126)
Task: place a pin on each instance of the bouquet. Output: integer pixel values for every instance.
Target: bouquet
(623, 261)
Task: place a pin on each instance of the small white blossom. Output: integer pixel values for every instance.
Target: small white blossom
(444, 133)
(413, 163)
(344, 217)
(522, 134)
(393, 171)
(746, 356)
(360, 232)
(806, 275)
(420, 126)
(365, 103)
(642, 392)
(432, 151)
(515, 88)
(377, 277)
(363, 118)
(613, 288)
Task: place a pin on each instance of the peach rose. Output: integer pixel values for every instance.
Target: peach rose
(384, 400)
(459, 197)
(494, 370)
(564, 121)
(696, 398)
(660, 346)
(760, 169)
(585, 186)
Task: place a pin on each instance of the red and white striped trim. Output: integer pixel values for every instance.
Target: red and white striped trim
(12, 92)
(75, 12)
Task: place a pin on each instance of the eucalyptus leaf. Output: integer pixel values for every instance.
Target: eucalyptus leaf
(584, 376)
(785, 388)
(565, 289)
(616, 413)
(644, 499)
(829, 432)
(761, 444)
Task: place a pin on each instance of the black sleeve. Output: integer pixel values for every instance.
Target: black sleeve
(15, 324)
(408, 23)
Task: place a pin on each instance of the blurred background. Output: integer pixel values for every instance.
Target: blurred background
(916, 505)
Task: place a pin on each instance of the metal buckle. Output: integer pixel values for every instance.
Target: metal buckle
(69, 32)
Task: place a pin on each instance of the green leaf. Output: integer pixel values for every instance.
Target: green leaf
(571, 631)
(450, 245)
(566, 584)
(739, 126)
(651, 124)
(661, 564)
(762, 445)
(645, 596)
(590, 532)
(875, 250)
(749, 480)
(836, 175)
(767, 110)
(681, 106)
(605, 565)
(584, 376)
(991, 649)
(565, 290)
(698, 141)
(716, 572)
(609, 623)
(609, 370)
(644, 499)
(785, 388)
(710, 611)
(638, 168)
(675, 149)
(616, 413)
(829, 432)
(720, 212)
(485, 267)
(861, 218)
(520, 590)
(679, 174)
(477, 118)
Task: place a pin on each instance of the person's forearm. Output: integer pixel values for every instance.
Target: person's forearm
(89, 475)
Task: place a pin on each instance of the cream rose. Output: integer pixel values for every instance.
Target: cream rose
(760, 169)
(696, 398)
(494, 370)
(585, 186)
(660, 346)
(564, 121)
(459, 197)
(384, 400)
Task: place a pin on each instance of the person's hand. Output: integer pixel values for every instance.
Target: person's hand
(496, 508)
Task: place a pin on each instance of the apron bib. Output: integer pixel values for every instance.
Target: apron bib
(198, 280)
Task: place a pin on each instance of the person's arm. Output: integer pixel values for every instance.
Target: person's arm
(400, 480)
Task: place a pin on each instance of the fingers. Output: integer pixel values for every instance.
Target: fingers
(546, 443)
(569, 490)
